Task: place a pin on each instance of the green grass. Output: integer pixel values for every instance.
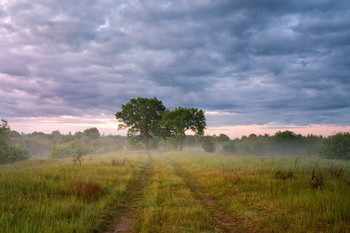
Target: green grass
(168, 204)
(269, 204)
(41, 196)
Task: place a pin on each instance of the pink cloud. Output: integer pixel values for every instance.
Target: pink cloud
(108, 124)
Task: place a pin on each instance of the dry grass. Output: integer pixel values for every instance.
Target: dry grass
(118, 162)
(87, 190)
(316, 181)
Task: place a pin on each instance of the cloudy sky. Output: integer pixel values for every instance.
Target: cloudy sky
(253, 65)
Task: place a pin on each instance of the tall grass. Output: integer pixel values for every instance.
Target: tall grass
(169, 206)
(55, 196)
(270, 204)
(42, 196)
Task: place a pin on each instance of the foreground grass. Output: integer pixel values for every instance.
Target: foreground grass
(41, 196)
(181, 192)
(247, 187)
(169, 205)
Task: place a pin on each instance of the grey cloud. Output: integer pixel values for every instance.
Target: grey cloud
(265, 61)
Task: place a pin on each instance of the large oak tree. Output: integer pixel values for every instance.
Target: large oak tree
(179, 120)
(142, 117)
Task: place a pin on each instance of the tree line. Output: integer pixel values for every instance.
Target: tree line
(151, 126)
(18, 146)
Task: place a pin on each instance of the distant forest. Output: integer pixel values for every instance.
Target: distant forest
(16, 146)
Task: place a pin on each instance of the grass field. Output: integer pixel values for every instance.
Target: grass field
(176, 192)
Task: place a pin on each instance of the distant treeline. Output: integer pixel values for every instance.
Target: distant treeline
(57, 145)
(15, 146)
(285, 143)
(282, 143)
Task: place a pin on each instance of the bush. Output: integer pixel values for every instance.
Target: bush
(336, 146)
(208, 144)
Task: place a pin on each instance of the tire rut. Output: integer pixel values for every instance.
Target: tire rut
(226, 221)
(128, 211)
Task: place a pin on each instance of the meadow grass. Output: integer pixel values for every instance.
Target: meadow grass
(184, 192)
(40, 195)
(247, 186)
(169, 206)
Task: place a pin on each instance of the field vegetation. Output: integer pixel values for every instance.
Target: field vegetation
(162, 191)
(57, 196)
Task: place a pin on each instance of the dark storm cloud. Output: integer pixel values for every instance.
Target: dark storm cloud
(254, 61)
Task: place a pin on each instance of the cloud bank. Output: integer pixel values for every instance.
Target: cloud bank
(250, 62)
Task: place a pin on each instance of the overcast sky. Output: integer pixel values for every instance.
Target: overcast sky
(271, 63)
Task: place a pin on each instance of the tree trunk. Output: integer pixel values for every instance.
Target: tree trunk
(146, 143)
(181, 143)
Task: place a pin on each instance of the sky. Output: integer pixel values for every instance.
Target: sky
(254, 66)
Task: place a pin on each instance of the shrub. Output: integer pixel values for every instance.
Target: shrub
(208, 144)
(336, 146)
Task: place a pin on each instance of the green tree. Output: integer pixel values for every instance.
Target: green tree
(287, 142)
(4, 140)
(208, 144)
(179, 120)
(8, 152)
(336, 146)
(4, 132)
(229, 147)
(223, 138)
(91, 133)
(142, 117)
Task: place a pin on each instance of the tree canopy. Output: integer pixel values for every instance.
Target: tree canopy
(142, 117)
(179, 120)
(91, 133)
(336, 146)
(8, 152)
(4, 132)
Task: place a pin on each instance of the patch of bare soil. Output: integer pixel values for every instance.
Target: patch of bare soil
(226, 221)
(125, 223)
(127, 215)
